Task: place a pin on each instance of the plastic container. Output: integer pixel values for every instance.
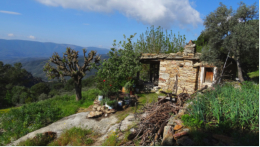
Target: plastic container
(100, 98)
(120, 103)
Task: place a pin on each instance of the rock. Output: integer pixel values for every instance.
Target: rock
(99, 108)
(177, 127)
(91, 114)
(102, 108)
(98, 113)
(168, 136)
(185, 141)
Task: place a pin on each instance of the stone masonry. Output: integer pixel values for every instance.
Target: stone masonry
(185, 71)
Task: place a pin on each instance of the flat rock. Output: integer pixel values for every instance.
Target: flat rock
(75, 120)
(91, 114)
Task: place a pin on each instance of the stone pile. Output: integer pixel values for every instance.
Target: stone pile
(98, 110)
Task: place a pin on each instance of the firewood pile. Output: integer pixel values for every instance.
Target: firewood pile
(153, 117)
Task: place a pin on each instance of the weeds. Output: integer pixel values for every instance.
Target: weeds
(74, 137)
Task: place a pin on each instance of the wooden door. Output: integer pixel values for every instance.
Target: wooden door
(208, 74)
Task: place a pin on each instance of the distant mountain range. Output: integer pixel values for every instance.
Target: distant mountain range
(34, 55)
(35, 65)
(24, 49)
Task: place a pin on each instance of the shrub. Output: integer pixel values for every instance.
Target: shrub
(39, 88)
(69, 85)
(53, 92)
(43, 96)
(89, 81)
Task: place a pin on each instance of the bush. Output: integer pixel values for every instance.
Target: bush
(43, 96)
(53, 92)
(69, 85)
(89, 81)
(40, 88)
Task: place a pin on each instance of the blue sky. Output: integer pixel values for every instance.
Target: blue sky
(98, 22)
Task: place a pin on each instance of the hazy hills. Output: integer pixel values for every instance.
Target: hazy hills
(35, 65)
(24, 49)
(34, 55)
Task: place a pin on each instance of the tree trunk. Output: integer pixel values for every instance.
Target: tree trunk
(239, 70)
(78, 88)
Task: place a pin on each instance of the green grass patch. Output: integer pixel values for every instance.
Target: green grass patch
(39, 140)
(74, 137)
(30, 117)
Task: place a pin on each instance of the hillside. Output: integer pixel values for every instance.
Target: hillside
(33, 49)
(35, 65)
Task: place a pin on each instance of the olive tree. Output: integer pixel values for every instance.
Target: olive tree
(69, 66)
(235, 33)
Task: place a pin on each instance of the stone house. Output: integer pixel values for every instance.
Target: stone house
(192, 74)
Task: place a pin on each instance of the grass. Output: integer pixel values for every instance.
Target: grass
(73, 137)
(30, 117)
(227, 110)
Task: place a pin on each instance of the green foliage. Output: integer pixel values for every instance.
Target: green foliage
(40, 88)
(254, 74)
(121, 65)
(38, 140)
(43, 96)
(89, 81)
(201, 41)
(234, 32)
(229, 106)
(112, 102)
(53, 92)
(190, 121)
(155, 41)
(19, 94)
(69, 85)
(19, 121)
(112, 140)
(75, 137)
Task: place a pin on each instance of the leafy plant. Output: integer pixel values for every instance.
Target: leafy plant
(190, 121)
(112, 103)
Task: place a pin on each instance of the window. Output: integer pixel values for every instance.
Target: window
(208, 77)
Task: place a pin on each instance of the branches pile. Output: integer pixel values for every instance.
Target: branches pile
(153, 117)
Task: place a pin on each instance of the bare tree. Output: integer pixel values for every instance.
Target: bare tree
(68, 66)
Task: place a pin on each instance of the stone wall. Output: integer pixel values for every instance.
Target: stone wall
(187, 75)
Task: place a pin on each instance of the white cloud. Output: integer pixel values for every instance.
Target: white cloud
(10, 35)
(100, 46)
(10, 12)
(150, 12)
(31, 37)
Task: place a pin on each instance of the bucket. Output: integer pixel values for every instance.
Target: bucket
(137, 90)
(120, 103)
(100, 98)
(127, 102)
